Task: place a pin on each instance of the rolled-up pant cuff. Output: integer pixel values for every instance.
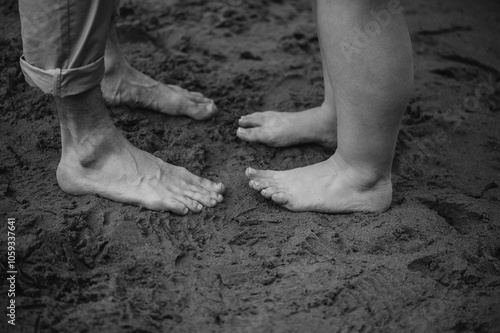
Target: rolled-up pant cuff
(64, 43)
(64, 82)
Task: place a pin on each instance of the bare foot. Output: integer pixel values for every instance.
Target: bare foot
(327, 187)
(280, 129)
(105, 163)
(123, 84)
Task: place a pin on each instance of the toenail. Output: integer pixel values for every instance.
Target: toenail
(213, 202)
(199, 207)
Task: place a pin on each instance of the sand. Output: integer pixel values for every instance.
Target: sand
(429, 264)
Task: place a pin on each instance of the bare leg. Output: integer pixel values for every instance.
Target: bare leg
(371, 89)
(97, 159)
(123, 84)
(281, 129)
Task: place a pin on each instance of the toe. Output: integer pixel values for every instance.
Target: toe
(192, 205)
(261, 183)
(268, 192)
(204, 196)
(256, 134)
(210, 186)
(216, 197)
(192, 95)
(198, 190)
(251, 174)
(198, 110)
(174, 206)
(201, 196)
(198, 97)
(219, 198)
(251, 120)
(204, 110)
(220, 188)
(210, 107)
(280, 198)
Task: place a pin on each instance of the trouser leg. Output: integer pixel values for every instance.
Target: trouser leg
(64, 42)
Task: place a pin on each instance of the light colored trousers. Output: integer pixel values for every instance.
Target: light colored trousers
(64, 42)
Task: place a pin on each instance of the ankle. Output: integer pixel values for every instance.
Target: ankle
(82, 114)
(115, 62)
(364, 177)
(86, 128)
(114, 65)
(90, 148)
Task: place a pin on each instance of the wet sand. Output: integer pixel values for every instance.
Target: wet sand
(429, 264)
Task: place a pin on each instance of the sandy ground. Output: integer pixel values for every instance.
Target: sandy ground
(429, 264)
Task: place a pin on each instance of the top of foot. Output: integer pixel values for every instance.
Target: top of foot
(281, 129)
(125, 85)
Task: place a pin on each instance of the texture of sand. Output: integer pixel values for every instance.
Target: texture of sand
(429, 264)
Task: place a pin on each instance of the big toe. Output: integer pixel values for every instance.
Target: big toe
(202, 110)
(254, 119)
(219, 188)
(193, 95)
(260, 184)
(252, 174)
(256, 134)
(198, 97)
